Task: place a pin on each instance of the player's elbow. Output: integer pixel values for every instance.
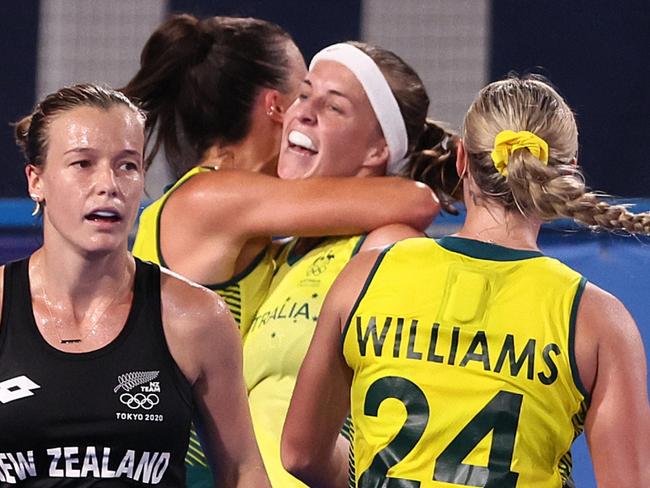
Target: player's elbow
(426, 209)
(297, 460)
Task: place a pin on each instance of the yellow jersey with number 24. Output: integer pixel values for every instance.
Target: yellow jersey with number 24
(464, 374)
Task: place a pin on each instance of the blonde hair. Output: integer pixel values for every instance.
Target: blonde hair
(545, 191)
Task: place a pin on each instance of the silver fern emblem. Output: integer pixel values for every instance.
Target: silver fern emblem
(127, 381)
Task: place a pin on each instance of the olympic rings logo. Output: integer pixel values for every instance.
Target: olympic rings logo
(139, 400)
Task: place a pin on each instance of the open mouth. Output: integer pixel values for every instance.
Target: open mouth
(103, 216)
(301, 143)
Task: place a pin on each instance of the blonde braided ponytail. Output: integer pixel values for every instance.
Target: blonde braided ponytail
(550, 188)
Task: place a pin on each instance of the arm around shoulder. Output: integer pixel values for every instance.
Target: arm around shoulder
(612, 363)
(317, 206)
(205, 342)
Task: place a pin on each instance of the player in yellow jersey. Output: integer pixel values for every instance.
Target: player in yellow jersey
(216, 91)
(475, 360)
(360, 112)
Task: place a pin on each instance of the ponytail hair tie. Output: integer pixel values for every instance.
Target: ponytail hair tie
(506, 142)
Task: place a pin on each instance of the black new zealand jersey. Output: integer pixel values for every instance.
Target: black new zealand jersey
(116, 416)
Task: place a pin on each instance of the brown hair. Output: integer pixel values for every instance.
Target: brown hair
(544, 191)
(198, 80)
(31, 132)
(431, 148)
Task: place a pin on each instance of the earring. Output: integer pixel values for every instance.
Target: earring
(37, 206)
(270, 111)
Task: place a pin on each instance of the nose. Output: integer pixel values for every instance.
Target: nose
(306, 112)
(105, 182)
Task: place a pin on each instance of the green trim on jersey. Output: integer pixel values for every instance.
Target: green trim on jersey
(230, 290)
(357, 248)
(183, 179)
(293, 258)
(242, 274)
(347, 431)
(572, 338)
(485, 250)
(363, 291)
(195, 455)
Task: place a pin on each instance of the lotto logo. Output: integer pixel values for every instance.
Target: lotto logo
(16, 388)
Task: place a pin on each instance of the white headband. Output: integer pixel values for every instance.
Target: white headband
(379, 94)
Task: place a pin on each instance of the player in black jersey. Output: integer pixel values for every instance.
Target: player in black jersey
(103, 359)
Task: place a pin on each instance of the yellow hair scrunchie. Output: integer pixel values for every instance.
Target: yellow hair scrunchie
(507, 141)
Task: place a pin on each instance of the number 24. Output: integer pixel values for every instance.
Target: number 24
(501, 414)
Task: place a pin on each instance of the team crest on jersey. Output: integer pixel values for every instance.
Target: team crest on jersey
(319, 266)
(313, 275)
(139, 392)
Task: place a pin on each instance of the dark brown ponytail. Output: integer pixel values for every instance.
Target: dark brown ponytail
(198, 80)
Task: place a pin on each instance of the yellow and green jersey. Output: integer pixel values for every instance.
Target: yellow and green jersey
(242, 293)
(464, 370)
(279, 337)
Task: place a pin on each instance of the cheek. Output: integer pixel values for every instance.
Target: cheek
(338, 135)
(132, 187)
(63, 210)
(343, 154)
(65, 191)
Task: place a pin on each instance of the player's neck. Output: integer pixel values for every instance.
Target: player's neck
(80, 277)
(495, 225)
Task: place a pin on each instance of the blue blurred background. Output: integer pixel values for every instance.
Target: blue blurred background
(594, 51)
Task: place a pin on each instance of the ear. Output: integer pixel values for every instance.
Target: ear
(461, 159)
(273, 106)
(377, 155)
(34, 181)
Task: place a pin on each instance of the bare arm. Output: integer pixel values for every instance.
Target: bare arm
(206, 345)
(218, 214)
(268, 206)
(312, 449)
(612, 365)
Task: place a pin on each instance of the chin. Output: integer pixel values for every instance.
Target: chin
(104, 247)
(103, 251)
(292, 168)
(288, 174)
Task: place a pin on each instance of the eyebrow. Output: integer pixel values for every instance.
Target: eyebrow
(78, 149)
(130, 152)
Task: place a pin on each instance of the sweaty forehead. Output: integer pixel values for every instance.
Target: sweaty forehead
(91, 126)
